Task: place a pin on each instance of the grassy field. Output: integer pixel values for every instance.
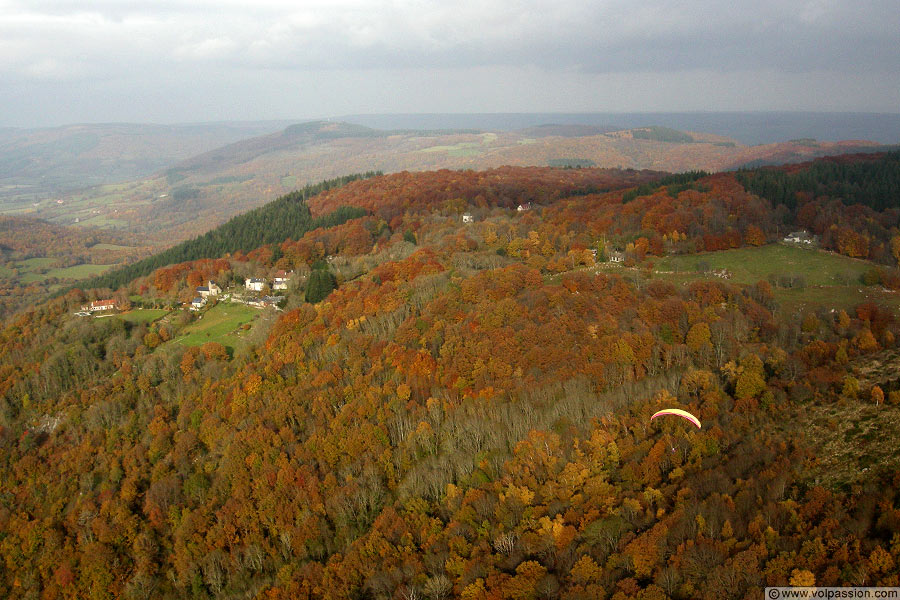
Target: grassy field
(832, 280)
(109, 247)
(218, 324)
(35, 263)
(835, 296)
(76, 272)
(749, 265)
(103, 221)
(461, 149)
(853, 440)
(143, 315)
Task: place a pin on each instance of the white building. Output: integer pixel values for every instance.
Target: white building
(210, 289)
(468, 218)
(281, 280)
(254, 284)
(99, 305)
(800, 237)
(264, 302)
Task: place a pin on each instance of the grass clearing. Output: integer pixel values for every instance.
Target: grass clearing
(835, 296)
(749, 265)
(36, 263)
(853, 439)
(110, 247)
(461, 149)
(218, 324)
(78, 271)
(103, 221)
(143, 315)
(832, 280)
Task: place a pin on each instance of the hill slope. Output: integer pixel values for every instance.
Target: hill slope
(36, 164)
(467, 415)
(206, 190)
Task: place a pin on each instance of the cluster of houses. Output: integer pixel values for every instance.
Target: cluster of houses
(470, 218)
(251, 284)
(279, 282)
(204, 293)
(264, 301)
(210, 290)
(98, 306)
(801, 237)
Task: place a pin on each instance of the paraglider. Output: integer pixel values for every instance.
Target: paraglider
(678, 413)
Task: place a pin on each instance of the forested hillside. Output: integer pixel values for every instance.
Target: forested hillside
(200, 192)
(287, 217)
(38, 258)
(871, 180)
(467, 415)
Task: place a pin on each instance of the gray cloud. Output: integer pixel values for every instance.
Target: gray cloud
(101, 48)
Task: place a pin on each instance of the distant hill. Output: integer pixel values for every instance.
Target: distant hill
(572, 130)
(202, 191)
(293, 138)
(751, 128)
(36, 163)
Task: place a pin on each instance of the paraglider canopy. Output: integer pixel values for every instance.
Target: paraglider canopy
(678, 413)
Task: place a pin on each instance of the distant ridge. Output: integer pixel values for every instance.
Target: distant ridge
(571, 130)
(747, 127)
(291, 138)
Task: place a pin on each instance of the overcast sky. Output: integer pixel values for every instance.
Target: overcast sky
(168, 61)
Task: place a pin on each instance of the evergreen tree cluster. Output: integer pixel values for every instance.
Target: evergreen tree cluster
(662, 134)
(321, 283)
(873, 183)
(676, 183)
(287, 217)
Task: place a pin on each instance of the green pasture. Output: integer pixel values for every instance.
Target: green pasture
(749, 265)
(835, 296)
(103, 221)
(218, 324)
(461, 149)
(109, 247)
(832, 280)
(35, 263)
(143, 315)
(76, 272)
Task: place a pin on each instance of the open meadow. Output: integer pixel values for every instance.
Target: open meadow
(220, 324)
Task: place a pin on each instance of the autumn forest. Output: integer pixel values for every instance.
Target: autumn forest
(452, 396)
